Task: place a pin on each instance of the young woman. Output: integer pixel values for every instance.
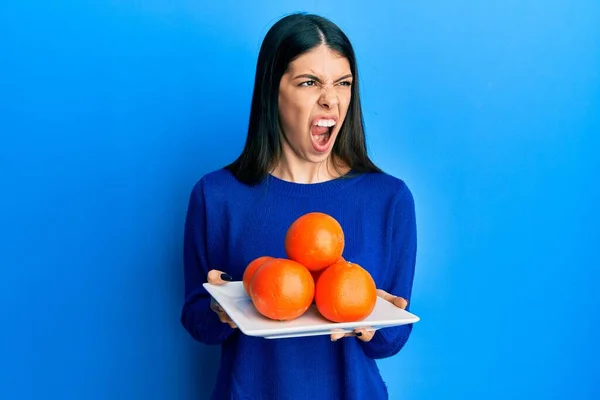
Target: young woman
(305, 151)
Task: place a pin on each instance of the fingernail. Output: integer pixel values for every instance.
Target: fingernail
(226, 277)
(358, 333)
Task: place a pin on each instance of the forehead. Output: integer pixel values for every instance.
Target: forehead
(320, 60)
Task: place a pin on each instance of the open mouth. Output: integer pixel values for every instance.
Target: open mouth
(321, 133)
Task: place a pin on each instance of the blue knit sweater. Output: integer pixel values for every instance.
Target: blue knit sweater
(229, 224)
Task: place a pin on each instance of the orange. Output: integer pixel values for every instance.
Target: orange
(251, 269)
(345, 292)
(282, 289)
(315, 240)
(316, 274)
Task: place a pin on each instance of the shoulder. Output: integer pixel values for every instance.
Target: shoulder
(387, 187)
(397, 198)
(215, 180)
(218, 184)
(218, 178)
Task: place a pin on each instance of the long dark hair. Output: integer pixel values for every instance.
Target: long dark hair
(289, 38)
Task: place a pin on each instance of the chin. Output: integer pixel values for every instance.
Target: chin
(318, 158)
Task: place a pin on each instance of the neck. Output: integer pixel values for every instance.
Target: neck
(301, 171)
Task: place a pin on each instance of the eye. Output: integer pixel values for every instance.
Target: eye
(346, 83)
(308, 83)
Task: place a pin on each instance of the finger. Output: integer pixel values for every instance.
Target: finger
(224, 318)
(227, 320)
(216, 307)
(364, 334)
(398, 301)
(338, 335)
(385, 295)
(217, 277)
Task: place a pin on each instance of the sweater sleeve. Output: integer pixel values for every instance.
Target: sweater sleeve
(197, 318)
(399, 278)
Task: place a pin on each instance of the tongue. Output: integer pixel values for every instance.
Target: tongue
(319, 130)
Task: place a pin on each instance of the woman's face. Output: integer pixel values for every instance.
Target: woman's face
(314, 95)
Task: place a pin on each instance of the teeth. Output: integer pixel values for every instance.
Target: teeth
(326, 122)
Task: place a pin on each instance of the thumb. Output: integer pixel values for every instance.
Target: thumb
(217, 277)
(400, 302)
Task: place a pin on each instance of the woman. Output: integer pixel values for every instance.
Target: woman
(305, 151)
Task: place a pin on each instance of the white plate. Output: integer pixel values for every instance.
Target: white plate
(236, 303)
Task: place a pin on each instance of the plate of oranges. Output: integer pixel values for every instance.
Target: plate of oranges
(314, 291)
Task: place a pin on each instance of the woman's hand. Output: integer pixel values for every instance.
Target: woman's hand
(366, 334)
(216, 277)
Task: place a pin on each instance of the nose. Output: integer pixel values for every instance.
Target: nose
(328, 97)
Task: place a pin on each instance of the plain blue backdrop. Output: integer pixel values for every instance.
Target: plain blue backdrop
(110, 111)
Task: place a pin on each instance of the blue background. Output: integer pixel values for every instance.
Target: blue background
(111, 110)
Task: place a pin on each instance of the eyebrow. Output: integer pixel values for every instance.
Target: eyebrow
(314, 78)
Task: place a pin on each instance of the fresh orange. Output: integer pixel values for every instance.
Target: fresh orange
(251, 269)
(315, 240)
(282, 289)
(345, 292)
(317, 274)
